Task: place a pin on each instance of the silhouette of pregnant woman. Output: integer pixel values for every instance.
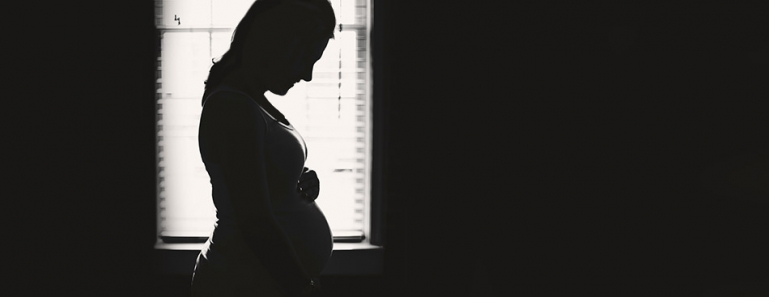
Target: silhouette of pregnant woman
(270, 238)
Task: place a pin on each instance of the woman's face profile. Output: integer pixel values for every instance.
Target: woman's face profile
(284, 53)
(296, 65)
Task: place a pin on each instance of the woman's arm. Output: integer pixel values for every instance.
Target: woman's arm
(239, 134)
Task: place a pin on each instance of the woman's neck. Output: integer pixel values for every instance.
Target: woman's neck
(256, 91)
(235, 79)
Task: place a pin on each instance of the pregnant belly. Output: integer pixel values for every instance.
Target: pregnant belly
(309, 232)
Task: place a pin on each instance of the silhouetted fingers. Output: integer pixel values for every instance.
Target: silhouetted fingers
(309, 185)
(309, 180)
(310, 194)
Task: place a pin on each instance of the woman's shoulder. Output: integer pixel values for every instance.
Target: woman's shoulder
(224, 95)
(233, 105)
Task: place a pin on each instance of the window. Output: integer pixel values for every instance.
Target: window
(332, 113)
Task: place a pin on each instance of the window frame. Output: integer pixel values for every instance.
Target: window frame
(359, 258)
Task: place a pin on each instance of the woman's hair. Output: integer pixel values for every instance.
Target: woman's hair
(232, 58)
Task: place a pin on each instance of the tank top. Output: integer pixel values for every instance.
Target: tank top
(284, 156)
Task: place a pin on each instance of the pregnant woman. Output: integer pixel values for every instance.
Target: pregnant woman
(270, 238)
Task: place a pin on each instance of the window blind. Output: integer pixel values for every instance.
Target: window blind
(332, 113)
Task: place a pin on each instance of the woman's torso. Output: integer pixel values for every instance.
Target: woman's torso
(302, 221)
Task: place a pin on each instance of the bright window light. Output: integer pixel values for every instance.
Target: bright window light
(332, 113)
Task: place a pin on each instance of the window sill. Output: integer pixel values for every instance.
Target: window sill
(347, 259)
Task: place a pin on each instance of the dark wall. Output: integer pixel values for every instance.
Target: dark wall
(81, 148)
(537, 148)
(575, 147)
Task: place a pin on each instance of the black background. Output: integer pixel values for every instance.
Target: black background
(539, 147)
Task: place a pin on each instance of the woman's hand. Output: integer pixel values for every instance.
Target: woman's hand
(309, 185)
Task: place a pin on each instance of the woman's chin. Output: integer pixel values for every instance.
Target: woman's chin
(281, 91)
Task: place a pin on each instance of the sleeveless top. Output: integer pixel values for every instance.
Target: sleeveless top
(281, 165)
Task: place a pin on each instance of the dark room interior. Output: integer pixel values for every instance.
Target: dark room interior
(528, 148)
